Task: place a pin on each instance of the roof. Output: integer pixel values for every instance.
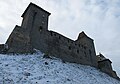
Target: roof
(32, 4)
(82, 35)
(104, 60)
(101, 55)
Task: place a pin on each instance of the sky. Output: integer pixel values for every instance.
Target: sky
(99, 19)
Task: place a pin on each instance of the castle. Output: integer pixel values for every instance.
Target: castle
(34, 34)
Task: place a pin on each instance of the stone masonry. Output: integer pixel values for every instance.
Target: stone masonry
(34, 34)
(104, 65)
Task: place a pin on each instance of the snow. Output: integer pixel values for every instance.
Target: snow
(34, 69)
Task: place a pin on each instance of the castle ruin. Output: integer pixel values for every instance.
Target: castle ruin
(34, 34)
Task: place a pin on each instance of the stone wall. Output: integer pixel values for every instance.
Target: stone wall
(18, 41)
(34, 33)
(60, 46)
(105, 66)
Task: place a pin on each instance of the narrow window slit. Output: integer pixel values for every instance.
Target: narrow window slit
(40, 28)
(69, 48)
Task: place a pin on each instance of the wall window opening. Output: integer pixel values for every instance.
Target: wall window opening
(40, 28)
(78, 51)
(59, 37)
(90, 52)
(90, 55)
(85, 54)
(51, 33)
(84, 47)
(68, 41)
(69, 48)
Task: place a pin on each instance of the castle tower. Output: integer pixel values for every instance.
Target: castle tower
(35, 17)
(86, 41)
(24, 37)
(35, 23)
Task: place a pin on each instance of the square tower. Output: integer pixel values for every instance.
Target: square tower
(35, 17)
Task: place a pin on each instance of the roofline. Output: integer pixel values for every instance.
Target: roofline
(105, 60)
(35, 6)
(90, 38)
(85, 36)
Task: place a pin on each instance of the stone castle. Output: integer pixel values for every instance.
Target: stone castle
(34, 34)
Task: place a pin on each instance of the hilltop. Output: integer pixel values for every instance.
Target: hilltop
(35, 69)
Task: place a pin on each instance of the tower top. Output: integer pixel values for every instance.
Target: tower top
(34, 5)
(83, 35)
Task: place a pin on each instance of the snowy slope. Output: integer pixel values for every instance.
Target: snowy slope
(34, 69)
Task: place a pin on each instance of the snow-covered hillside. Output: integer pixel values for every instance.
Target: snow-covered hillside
(34, 69)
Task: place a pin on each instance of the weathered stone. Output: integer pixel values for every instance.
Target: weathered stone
(34, 34)
(104, 65)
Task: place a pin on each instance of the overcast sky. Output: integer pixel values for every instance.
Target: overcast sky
(100, 19)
